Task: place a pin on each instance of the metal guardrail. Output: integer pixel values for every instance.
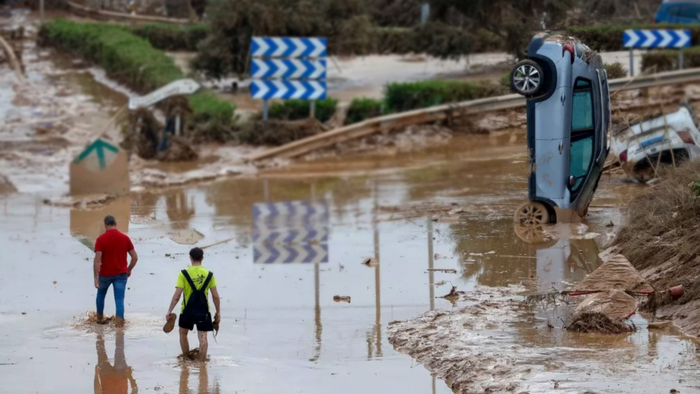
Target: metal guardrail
(82, 10)
(426, 115)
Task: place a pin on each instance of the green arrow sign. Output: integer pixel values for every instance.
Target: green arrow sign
(98, 148)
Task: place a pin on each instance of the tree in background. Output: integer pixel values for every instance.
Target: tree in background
(514, 21)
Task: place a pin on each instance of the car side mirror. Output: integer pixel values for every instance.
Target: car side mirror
(572, 181)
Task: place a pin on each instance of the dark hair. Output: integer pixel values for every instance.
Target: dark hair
(110, 221)
(197, 254)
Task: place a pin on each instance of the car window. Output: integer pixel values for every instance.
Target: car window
(689, 11)
(582, 111)
(580, 160)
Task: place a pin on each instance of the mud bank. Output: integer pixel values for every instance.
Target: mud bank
(661, 238)
(452, 345)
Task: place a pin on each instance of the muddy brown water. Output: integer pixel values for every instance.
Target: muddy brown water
(282, 330)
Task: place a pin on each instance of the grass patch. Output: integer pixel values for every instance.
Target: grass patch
(667, 59)
(400, 97)
(301, 109)
(171, 37)
(134, 62)
(363, 108)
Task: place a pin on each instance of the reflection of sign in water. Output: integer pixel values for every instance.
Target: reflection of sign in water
(290, 232)
(88, 224)
(100, 168)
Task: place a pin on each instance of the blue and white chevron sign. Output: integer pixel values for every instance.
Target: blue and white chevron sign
(290, 254)
(289, 47)
(656, 38)
(288, 69)
(272, 89)
(290, 232)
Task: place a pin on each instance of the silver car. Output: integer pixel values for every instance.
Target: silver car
(568, 118)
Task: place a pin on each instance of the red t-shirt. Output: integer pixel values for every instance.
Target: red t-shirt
(114, 246)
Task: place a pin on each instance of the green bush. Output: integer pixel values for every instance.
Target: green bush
(301, 109)
(171, 37)
(667, 60)
(609, 37)
(402, 97)
(363, 108)
(615, 70)
(132, 61)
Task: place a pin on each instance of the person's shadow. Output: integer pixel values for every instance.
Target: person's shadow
(113, 379)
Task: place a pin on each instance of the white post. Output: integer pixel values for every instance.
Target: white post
(41, 11)
(680, 59)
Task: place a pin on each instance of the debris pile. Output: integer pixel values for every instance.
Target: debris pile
(609, 300)
(661, 238)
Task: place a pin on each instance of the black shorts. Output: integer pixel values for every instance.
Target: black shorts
(187, 323)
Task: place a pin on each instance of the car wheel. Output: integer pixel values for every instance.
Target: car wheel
(532, 214)
(527, 78)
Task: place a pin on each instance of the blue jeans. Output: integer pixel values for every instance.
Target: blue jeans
(119, 283)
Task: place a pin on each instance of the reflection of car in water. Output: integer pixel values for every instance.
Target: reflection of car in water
(568, 117)
(561, 258)
(664, 139)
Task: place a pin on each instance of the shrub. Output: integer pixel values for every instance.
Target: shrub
(363, 108)
(609, 37)
(615, 70)
(402, 97)
(667, 60)
(132, 61)
(171, 37)
(301, 109)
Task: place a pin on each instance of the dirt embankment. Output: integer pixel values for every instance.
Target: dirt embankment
(661, 239)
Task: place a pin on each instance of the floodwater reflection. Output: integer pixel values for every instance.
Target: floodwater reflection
(203, 383)
(113, 378)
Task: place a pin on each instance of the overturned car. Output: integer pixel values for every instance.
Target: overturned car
(661, 139)
(568, 118)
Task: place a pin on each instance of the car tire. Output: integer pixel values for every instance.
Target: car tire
(532, 213)
(527, 78)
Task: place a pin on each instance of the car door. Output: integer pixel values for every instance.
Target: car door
(583, 134)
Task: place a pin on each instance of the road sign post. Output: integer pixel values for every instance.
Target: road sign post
(288, 68)
(656, 38)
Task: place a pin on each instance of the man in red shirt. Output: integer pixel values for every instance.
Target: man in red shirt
(110, 267)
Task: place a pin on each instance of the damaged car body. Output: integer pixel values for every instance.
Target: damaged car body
(568, 118)
(661, 139)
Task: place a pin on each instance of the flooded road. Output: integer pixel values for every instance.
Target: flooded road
(282, 331)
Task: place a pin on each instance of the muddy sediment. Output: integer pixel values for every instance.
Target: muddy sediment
(463, 348)
(661, 238)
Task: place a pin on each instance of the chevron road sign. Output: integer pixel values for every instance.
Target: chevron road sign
(290, 232)
(288, 69)
(289, 47)
(285, 89)
(100, 168)
(289, 254)
(661, 38)
(97, 156)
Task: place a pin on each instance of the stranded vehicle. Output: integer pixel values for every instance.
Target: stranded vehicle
(660, 139)
(568, 118)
